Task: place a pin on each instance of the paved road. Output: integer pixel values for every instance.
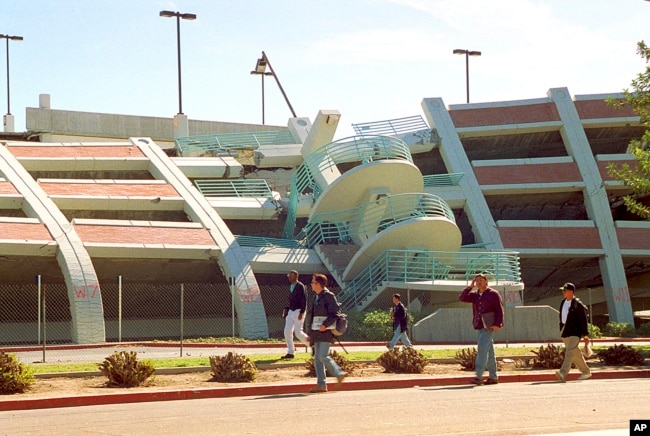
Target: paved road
(599, 407)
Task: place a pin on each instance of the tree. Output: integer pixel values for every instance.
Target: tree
(637, 177)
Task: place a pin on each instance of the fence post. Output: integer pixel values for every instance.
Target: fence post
(182, 317)
(505, 323)
(44, 322)
(38, 323)
(408, 303)
(119, 308)
(231, 282)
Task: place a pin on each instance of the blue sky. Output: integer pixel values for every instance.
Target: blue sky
(370, 59)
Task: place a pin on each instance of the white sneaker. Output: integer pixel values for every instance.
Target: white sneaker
(584, 376)
(560, 377)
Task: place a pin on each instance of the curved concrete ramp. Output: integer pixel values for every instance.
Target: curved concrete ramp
(425, 233)
(84, 295)
(251, 315)
(364, 183)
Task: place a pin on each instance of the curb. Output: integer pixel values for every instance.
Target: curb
(284, 389)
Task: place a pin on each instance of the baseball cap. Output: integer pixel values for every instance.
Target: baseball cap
(568, 287)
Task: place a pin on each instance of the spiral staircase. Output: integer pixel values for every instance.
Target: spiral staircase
(374, 228)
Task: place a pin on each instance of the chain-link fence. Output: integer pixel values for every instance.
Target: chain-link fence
(31, 314)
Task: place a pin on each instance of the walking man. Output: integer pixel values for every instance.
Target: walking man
(573, 327)
(322, 318)
(400, 320)
(295, 313)
(487, 318)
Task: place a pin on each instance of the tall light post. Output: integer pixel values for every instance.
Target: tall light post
(260, 69)
(261, 66)
(178, 16)
(467, 54)
(8, 121)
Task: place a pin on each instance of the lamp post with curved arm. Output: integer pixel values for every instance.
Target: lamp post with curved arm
(260, 70)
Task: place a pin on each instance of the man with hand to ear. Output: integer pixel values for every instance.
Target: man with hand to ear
(487, 318)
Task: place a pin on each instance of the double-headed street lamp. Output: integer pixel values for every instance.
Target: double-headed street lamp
(178, 16)
(467, 54)
(260, 70)
(13, 38)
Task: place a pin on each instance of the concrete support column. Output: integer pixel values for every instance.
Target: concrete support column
(181, 126)
(612, 268)
(251, 315)
(8, 122)
(320, 134)
(84, 294)
(299, 128)
(456, 161)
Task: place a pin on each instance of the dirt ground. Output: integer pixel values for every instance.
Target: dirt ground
(90, 385)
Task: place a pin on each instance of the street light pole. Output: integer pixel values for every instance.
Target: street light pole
(265, 61)
(260, 70)
(7, 38)
(178, 16)
(467, 54)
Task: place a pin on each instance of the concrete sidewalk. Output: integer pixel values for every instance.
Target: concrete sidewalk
(17, 403)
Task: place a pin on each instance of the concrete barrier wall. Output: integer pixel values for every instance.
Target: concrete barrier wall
(522, 324)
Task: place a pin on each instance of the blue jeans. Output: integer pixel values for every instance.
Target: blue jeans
(485, 357)
(398, 335)
(322, 359)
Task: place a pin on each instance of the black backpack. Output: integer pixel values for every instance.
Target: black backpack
(340, 325)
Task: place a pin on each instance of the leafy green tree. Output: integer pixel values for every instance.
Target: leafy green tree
(637, 177)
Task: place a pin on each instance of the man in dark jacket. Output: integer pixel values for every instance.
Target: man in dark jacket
(487, 318)
(400, 320)
(322, 318)
(295, 314)
(573, 327)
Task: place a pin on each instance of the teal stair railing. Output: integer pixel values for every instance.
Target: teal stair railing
(359, 149)
(339, 227)
(404, 266)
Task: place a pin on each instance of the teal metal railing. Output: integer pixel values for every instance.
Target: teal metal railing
(360, 149)
(450, 179)
(347, 150)
(302, 183)
(339, 227)
(259, 241)
(234, 188)
(429, 266)
(396, 126)
(219, 143)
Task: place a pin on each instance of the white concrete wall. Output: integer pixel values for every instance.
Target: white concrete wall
(522, 324)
